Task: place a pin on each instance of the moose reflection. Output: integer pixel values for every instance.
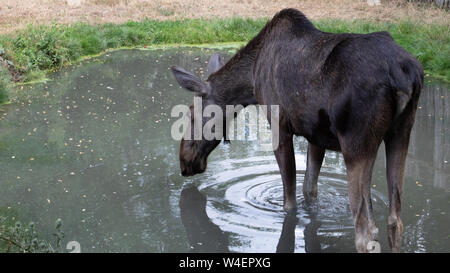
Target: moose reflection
(205, 236)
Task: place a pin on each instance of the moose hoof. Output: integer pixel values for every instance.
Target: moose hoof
(373, 247)
(365, 245)
(368, 242)
(395, 231)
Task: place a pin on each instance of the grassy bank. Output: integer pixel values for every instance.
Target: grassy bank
(5, 84)
(39, 49)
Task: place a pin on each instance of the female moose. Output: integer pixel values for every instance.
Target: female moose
(342, 92)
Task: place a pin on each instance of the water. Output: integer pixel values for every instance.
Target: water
(93, 148)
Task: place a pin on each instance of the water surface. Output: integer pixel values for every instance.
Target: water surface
(93, 147)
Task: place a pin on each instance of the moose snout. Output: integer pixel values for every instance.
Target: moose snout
(184, 170)
(191, 168)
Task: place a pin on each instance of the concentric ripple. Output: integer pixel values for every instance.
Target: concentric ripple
(246, 198)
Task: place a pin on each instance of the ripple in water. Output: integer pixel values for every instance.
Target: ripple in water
(245, 198)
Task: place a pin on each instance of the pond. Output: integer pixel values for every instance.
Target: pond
(93, 147)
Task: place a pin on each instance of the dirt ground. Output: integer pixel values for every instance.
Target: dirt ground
(16, 14)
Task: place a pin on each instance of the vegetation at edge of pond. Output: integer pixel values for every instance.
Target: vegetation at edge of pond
(5, 84)
(430, 44)
(5, 78)
(37, 49)
(18, 238)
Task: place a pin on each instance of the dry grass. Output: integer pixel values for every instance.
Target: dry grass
(17, 14)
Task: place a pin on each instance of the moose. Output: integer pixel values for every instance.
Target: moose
(343, 92)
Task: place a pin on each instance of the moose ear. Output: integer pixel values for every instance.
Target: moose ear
(189, 81)
(215, 63)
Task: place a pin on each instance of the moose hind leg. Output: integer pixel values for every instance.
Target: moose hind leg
(359, 174)
(359, 160)
(313, 163)
(286, 162)
(396, 152)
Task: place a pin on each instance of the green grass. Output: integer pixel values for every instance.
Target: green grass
(5, 84)
(39, 49)
(430, 44)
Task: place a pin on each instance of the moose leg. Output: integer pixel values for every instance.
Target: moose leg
(286, 162)
(313, 164)
(359, 160)
(396, 151)
(359, 175)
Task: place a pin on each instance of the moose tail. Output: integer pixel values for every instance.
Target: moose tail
(406, 82)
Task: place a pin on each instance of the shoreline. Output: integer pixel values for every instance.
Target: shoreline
(225, 45)
(31, 54)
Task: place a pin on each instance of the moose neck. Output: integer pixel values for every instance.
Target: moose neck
(234, 81)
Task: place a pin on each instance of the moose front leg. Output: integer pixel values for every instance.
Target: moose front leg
(286, 162)
(313, 164)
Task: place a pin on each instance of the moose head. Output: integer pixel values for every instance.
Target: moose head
(193, 151)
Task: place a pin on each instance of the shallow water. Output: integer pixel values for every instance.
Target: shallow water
(93, 148)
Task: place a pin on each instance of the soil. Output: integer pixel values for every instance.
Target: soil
(15, 14)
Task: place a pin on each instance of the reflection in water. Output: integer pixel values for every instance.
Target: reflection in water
(93, 148)
(312, 242)
(428, 174)
(286, 244)
(432, 125)
(203, 235)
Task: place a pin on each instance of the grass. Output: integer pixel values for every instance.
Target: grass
(19, 238)
(5, 84)
(39, 49)
(429, 43)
